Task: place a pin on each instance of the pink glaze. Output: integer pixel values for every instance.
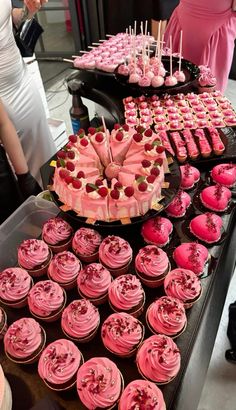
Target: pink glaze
(115, 252)
(182, 284)
(79, 319)
(23, 338)
(217, 144)
(192, 256)
(56, 230)
(216, 198)
(167, 316)
(152, 261)
(192, 149)
(121, 333)
(86, 241)
(158, 359)
(64, 267)
(157, 231)
(125, 292)
(179, 205)
(179, 143)
(224, 174)
(206, 227)
(203, 142)
(59, 362)
(94, 280)
(45, 298)
(166, 142)
(189, 176)
(15, 284)
(99, 383)
(32, 253)
(142, 394)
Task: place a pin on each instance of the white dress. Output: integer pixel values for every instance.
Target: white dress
(21, 98)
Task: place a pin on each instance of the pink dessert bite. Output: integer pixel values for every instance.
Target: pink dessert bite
(189, 176)
(216, 197)
(64, 269)
(15, 284)
(115, 253)
(224, 174)
(207, 227)
(85, 244)
(192, 256)
(34, 256)
(157, 231)
(183, 284)
(179, 205)
(57, 233)
(142, 394)
(93, 283)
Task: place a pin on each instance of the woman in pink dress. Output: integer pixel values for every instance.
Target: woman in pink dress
(209, 31)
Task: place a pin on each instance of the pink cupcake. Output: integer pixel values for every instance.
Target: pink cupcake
(152, 265)
(34, 256)
(3, 323)
(158, 359)
(93, 283)
(192, 256)
(115, 254)
(141, 394)
(59, 363)
(166, 316)
(46, 300)
(85, 244)
(57, 233)
(80, 320)
(64, 269)
(122, 334)
(157, 231)
(99, 383)
(184, 285)
(125, 294)
(15, 284)
(24, 341)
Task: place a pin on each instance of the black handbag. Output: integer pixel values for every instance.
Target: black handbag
(26, 36)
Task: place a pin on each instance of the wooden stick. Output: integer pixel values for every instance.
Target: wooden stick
(180, 48)
(135, 27)
(170, 55)
(107, 138)
(110, 35)
(67, 60)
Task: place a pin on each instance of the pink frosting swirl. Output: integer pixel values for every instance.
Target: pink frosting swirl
(125, 292)
(159, 358)
(23, 338)
(99, 383)
(94, 280)
(115, 252)
(86, 241)
(64, 267)
(167, 316)
(80, 318)
(32, 253)
(45, 298)
(142, 394)
(182, 284)
(56, 230)
(121, 333)
(151, 261)
(59, 362)
(15, 284)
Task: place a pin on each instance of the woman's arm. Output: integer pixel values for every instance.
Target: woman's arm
(27, 12)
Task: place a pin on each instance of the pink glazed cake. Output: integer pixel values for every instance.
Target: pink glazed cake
(207, 227)
(224, 174)
(192, 256)
(216, 198)
(157, 231)
(143, 395)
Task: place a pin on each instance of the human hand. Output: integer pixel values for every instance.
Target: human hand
(28, 185)
(33, 5)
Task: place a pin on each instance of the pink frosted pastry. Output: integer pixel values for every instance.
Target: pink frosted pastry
(115, 253)
(3, 323)
(46, 300)
(85, 244)
(192, 256)
(80, 320)
(179, 205)
(121, 137)
(157, 231)
(122, 334)
(64, 269)
(166, 142)
(125, 294)
(24, 341)
(180, 146)
(152, 265)
(189, 176)
(217, 144)
(158, 359)
(207, 227)
(224, 174)
(59, 363)
(192, 148)
(34, 256)
(183, 284)
(93, 283)
(203, 143)
(15, 284)
(57, 233)
(166, 316)
(216, 197)
(99, 383)
(142, 394)
(100, 142)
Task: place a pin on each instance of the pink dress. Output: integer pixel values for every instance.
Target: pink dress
(209, 30)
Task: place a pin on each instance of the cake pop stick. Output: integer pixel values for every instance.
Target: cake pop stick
(170, 80)
(180, 49)
(158, 39)
(108, 139)
(135, 27)
(171, 67)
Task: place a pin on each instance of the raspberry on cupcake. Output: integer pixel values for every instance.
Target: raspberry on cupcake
(80, 320)
(183, 284)
(64, 269)
(142, 394)
(115, 254)
(157, 231)
(85, 244)
(24, 341)
(122, 334)
(59, 363)
(57, 233)
(46, 300)
(152, 265)
(93, 283)
(34, 255)
(15, 284)
(3, 323)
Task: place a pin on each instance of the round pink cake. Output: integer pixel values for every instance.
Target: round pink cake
(93, 282)
(57, 233)
(152, 265)
(216, 197)
(192, 256)
(207, 227)
(15, 284)
(179, 205)
(116, 254)
(183, 284)
(85, 244)
(189, 176)
(224, 174)
(64, 269)
(142, 394)
(34, 256)
(157, 231)
(46, 300)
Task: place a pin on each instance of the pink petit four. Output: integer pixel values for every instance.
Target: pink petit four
(207, 227)
(157, 231)
(189, 176)
(224, 174)
(216, 198)
(192, 256)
